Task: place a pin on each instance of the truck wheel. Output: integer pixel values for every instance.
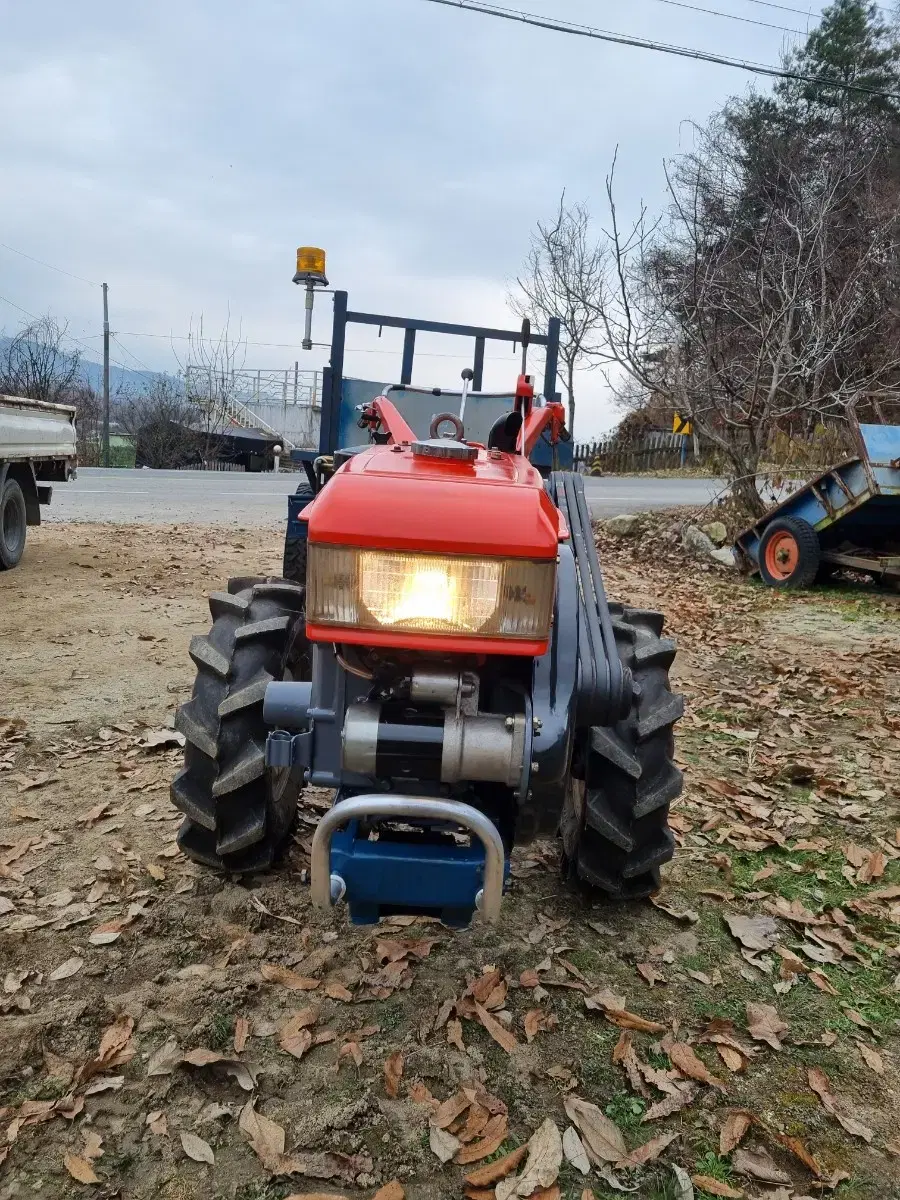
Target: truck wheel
(789, 553)
(614, 825)
(13, 525)
(294, 567)
(237, 814)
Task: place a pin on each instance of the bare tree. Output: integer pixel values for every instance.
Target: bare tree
(560, 278)
(35, 364)
(749, 311)
(209, 377)
(89, 422)
(161, 425)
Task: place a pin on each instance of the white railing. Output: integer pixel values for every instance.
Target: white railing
(290, 396)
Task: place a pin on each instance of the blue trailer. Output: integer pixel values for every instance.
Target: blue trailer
(848, 517)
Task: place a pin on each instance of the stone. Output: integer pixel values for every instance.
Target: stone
(716, 532)
(624, 525)
(695, 541)
(725, 556)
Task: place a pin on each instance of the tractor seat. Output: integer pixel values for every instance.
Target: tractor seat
(505, 432)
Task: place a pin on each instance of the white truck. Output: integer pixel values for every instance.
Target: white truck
(37, 449)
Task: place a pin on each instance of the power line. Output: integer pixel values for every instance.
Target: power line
(143, 366)
(49, 266)
(620, 39)
(184, 337)
(715, 12)
(67, 336)
(804, 12)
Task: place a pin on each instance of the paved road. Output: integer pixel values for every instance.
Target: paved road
(219, 497)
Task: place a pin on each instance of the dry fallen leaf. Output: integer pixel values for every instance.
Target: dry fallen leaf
(620, 1017)
(872, 1058)
(492, 1172)
(276, 973)
(535, 1020)
(243, 1073)
(602, 1138)
(442, 1143)
(93, 1145)
(818, 1081)
(337, 991)
(390, 1191)
(195, 1148)
(241, 1033)
(690, 1064)
(165, 1059)
(451, 1110)
(759, 1164)
(574, 1151)
(492, 1138)
(683, 1095)
(157, 1123)
(295, 1036)
(393, 1071)
(80, 1169)
(66, 970)
(500, 1035)
(765, 1025)
(314, 1196)
(545, 1155)
(455, 1035)
(715, 1187)
(352, 1050)
(688, 915)
(266, 1137)
(648, 1152)
(684, 1189)
(756, 933)
(732, 1133)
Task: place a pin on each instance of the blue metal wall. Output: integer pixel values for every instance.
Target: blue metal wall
(418, 408)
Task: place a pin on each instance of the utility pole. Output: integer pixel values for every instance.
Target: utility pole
(105, 458)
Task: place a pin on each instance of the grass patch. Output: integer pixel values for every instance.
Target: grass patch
(819, 884)
(715, 1166)
(221, 1030)
(625, 1110)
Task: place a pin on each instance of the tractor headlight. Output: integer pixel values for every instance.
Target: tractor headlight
(425, 593)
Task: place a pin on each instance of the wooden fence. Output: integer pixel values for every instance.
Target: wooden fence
(653, 451)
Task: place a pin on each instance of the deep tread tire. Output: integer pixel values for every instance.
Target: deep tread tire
(617, 836)
(235, 819)
(809, 553)
(294, 567)
(13, 525)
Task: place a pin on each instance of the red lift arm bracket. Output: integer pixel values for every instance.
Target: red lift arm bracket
(385, 414)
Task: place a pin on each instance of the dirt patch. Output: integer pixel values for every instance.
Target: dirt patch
(852, 622)
(792, 760)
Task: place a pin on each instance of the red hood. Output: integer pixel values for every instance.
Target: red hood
(390, 499)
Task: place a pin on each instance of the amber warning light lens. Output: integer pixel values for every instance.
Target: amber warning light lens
(310, 261)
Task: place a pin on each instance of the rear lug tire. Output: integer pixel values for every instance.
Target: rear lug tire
(614, 826)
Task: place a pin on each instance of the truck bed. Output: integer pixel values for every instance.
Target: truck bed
(34, 429)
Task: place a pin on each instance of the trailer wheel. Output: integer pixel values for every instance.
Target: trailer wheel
(789, 553)
(615, 828)
(13, 524)
(294, 567)
(238, 815)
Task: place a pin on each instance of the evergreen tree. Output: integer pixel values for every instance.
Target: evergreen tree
(851, 45)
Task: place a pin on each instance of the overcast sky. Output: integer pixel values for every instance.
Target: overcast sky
(181, 151)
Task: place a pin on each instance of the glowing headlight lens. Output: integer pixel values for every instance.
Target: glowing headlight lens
(424, 593)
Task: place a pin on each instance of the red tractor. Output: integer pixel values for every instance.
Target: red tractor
(441, 656)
